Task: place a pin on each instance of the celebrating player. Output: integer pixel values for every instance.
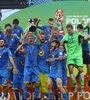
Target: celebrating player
(17, 29)
(11, 43)
(18, 78)
(85, 49)
(43, 54)
(31, 68)
(74, 50)
(55, 74)
(5, 53)
(46, 28)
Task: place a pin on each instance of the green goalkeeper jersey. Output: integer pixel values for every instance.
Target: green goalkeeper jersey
(74, 47)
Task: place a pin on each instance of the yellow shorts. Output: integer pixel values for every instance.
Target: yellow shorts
(43, 82)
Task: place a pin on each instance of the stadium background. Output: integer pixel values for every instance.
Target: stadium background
(73, 10)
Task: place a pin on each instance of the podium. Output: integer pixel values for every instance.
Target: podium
(70, 87)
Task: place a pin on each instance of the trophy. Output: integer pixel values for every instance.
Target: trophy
(32, 27)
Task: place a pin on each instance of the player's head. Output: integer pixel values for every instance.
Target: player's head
(69, 28)
(8, 32)
(51, 22)
(61, 47)
(7, 26)
(42, 36)
(80, 27)
(2, 42)
(55, 43)
(31, 40)
(56, 32)
(15, 23)
(30, 34)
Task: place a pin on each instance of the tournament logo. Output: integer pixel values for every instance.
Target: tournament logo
(59, 16)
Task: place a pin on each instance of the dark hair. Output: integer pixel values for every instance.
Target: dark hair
(16, 21)
(56, 41)
(80, 26)
(3, 39)
(51, 19)
(42, 33)
(7, 25)
(69, 26)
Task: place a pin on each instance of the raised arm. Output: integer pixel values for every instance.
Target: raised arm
(38, 23)
(52, 33)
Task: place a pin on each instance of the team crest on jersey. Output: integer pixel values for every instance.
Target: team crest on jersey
(5, 81)
(23, 62)
(49, 35)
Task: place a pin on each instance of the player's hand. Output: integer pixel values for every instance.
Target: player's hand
(85, 37)
(15, 70)
(14, 35)
(39, 19)
(50, 60)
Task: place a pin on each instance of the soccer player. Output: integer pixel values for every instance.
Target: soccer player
(57, 35)
(64, 73)
(5, 53)
(85, 49)
(11, 43)
(18, 78)
(74, 50)
(46, 28)
(43, 54)
(31, 68)
(55, 74)
(7, 26)
(17, 29)
(1, 33)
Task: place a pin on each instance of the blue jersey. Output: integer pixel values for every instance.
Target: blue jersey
(43, 53)
(60, 37)
(2, 35)
(85, 43)
(56, 66)
(4, 55)
(12, 43)
(48, 31)
(31, 56)
(17, 31)
(20, 62)
(64, 62)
